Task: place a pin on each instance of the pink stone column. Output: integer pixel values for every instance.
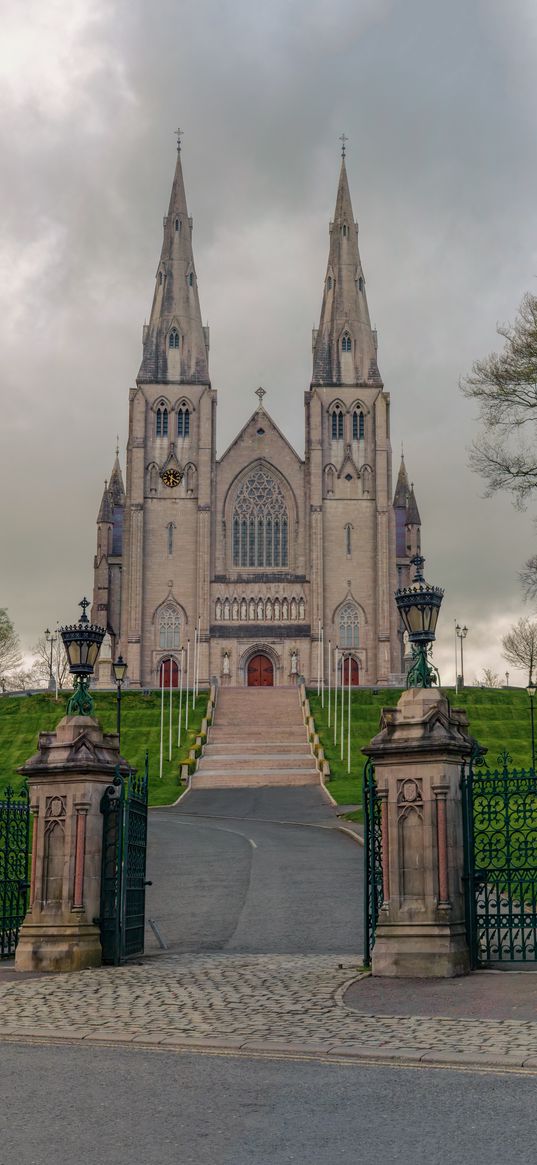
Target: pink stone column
(80, 855)
(440, 793)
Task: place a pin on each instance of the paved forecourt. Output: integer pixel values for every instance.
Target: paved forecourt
(250, 1005)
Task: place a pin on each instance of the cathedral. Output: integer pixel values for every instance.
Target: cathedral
(263, 560)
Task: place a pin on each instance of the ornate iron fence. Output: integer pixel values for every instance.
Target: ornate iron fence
(373, 896)
(123, 882)
(500, 850)
(14, 884)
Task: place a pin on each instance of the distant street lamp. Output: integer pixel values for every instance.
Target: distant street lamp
(461, 633)
(419, 606)
(50, 639)
(119, 668)
(531, 689)
(82, 642)
(507, 679)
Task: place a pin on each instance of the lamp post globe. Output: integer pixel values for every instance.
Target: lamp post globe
(119, 669)
(419, 607)
(82, 643)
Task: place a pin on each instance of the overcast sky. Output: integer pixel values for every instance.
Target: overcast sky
(438, 102)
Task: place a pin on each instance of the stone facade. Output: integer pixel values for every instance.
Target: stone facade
(259, 548)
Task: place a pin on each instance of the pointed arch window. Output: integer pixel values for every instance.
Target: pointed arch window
(161, 426)
(337, 424)
(174, 338)
(344, 228)
(191, 279)
(346, 343)
(360, 283)
(178, 224)
(358, 425)
(348, 625)
(169, 627)
(329, 283)
(183, 421)
(261, 514)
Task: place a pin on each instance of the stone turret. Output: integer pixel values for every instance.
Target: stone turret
(344, 345)
(107, 563)
(175, 344)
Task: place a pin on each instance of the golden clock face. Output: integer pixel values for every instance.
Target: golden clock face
(171, 477)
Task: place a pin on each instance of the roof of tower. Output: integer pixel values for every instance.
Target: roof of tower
(344, 311)
(402, 489)
(116, 488)
(175, 347)
(412, 512)
(106, 508)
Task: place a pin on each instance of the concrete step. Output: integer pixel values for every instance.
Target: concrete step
(205, 780)
(256, 763)
(268, 747)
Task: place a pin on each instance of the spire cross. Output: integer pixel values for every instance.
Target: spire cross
(84, 604)
(260, 392)
(178, 133)
(343, 138)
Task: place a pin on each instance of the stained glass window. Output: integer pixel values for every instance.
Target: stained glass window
(264, 522)
(169, 627)
(348, 625)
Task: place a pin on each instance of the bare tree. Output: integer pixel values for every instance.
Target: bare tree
(10, 655)
(520, 646)
(489, 679)
(41, 663)
(504, 385)
(528, 578)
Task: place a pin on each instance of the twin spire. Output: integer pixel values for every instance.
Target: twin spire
(175, 343)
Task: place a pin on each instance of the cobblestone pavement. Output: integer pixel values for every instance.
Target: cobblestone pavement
(259, 1004)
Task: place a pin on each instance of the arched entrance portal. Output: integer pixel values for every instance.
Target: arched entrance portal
(355, 673)
(169, 666)
(260, 672)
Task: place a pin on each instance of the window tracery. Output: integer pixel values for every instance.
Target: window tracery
(260, 524)
(348, 625)
(183, 421)
(169, 627)
(337, 423)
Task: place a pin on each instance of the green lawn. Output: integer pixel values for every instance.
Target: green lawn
(499, 718)
(22, 718)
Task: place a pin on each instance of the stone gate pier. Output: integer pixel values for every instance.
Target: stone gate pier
(66, 780)
(417, 757)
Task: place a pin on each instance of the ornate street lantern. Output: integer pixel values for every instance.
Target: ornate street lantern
(419, 606)
(82, 642)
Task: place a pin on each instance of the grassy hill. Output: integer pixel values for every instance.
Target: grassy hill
(22, 718)
(499, 718)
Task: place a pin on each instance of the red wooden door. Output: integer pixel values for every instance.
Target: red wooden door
(165, 673)
(355, 674)
(260, 672)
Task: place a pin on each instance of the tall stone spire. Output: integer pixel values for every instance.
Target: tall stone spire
(402, 489)
(344, 346)
(175, 344)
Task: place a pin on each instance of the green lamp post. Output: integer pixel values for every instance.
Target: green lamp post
(419, 606)
(82, 642)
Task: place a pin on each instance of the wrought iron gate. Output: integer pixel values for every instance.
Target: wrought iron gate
(500, 852)
(122, 919)
(373, 896)
(14, 845)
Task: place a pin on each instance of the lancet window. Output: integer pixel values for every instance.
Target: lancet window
(358, 425)
(346, 343)
(337, 424)
(183, 421)
(161, 427)
(348, 625)
(174, 338)
(169, 627)
(260, 525)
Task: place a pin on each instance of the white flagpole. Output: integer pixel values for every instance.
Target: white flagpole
(336, 661)
(180, 698)
(171, 712)
(329, 679)
(319, 658)
(161, 715)
(198, 663)
(322, 667)
(342, 734)
(187, 680)
(194, 667)
(349, 723)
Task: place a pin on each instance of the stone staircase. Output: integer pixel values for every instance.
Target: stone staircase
(257, 738)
